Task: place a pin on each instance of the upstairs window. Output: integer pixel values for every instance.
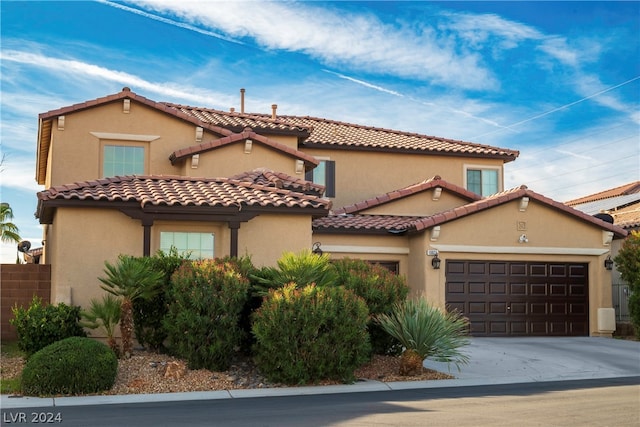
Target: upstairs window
(197, 245)
(324, 174)
(122, 160)
(483, 181)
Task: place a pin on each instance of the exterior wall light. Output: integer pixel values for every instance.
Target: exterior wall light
(608, 263)
(435, 262)
(316, 248)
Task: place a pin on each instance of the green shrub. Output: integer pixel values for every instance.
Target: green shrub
(309, 334)
(43, 324)
(71, 366)
(148, 313)
(381, 289)
(304, 268)
(628, 264)
(205, 301)
(427, 332)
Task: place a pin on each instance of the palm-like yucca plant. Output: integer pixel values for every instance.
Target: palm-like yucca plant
(131, 278)
(104, 314)
(426, 332)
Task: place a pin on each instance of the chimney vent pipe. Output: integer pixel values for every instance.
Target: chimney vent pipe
(242, 101)
(274, 107)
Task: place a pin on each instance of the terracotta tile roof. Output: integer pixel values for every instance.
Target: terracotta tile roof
(237, 122)
(425, 185)
(334, 223)
(184, 153)
(316, 132)
(360, 224)
(152, 191)
(627, 219)
(325, 133)
(269, 178)
(340, 135)
(623, 190)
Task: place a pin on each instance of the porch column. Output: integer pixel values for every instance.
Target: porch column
(146, 245)
(234, 226)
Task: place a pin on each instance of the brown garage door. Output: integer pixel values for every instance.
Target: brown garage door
(503, 298)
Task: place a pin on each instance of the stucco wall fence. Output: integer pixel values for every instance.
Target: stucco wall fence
(18, 284)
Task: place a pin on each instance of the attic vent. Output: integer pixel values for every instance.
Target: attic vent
(199, 134)
(61, 123)
(126, 107)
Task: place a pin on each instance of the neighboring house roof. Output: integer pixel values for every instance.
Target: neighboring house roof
(631, 188)
(425, 185)
(149, 193)
(184, 153)
(622, 203)
(354, 223)
(325, 133)
(269, 178)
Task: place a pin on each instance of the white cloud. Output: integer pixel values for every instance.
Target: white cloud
(71, 68)
(359, 41)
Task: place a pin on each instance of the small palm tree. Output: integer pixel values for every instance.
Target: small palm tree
(426, 332)
(104, 314)
(8, 230)
(131, 278)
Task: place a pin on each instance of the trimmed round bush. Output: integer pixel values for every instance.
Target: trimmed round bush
(309, 334)
(71, 366)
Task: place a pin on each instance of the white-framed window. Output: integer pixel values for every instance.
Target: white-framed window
(122, 160)
(482, 180)
(197, 245)
(324, 174)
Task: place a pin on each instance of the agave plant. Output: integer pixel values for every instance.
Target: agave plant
(131, 278)
(104, 314)
(426, 332)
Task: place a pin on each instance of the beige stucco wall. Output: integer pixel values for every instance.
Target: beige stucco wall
(268, 236)
(420, 204)
(79, 243)
(358, 173)
(232, 160)
(76, 153)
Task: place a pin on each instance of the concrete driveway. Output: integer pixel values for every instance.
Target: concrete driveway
(528, 359)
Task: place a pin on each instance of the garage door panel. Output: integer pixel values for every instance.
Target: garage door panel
(538, 289)
(518, 328)
(538, 270)
(520, 298)
(477, 288)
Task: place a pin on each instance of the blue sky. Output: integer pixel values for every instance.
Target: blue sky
(559, 81)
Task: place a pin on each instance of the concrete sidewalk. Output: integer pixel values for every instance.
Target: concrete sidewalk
(492, 361)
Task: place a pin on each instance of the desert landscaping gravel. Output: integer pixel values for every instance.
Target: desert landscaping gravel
(146, 372)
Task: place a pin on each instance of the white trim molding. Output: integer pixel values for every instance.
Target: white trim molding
(520, 250)
(125, 136)
(365, 249)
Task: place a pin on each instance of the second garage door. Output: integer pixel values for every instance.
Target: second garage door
(503, 298)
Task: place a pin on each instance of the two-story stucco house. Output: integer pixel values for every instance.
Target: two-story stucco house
(125, 174)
